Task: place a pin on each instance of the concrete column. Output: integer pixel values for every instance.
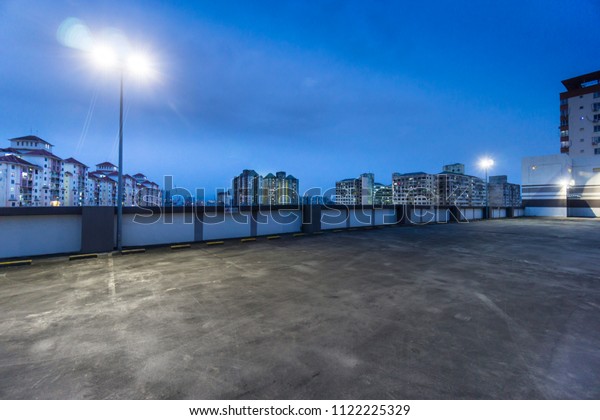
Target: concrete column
(199, 224)
(253, 223)
(97, 229)
(311, 218)
(455, 214)
(400, 214)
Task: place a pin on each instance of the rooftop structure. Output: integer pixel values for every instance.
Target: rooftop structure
(455, 168)
(30, 143)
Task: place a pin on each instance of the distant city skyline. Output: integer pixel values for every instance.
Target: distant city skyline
(323, 90)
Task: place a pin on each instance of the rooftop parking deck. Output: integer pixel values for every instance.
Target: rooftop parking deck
(491, 309)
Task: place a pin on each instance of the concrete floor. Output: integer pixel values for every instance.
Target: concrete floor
(499, 309)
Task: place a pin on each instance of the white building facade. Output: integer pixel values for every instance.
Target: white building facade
(17, 178)
(47, 180)
(580, 116)
(568, 184)
(75, 180)
(561, 185)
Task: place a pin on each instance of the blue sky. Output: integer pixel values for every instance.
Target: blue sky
(324, 90)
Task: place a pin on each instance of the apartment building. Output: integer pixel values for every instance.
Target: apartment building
(224, 198)
(48, 180)
(249, 189)
(502, 193)
(382, 194)
(416, 188)
(278, 189)
(355, 191)
(145, 192)
(461, 190)
(17, 177)
(246, 188)
(452, 187)
(137, 189)
(568, 184)
(580, 116)
(75, 176)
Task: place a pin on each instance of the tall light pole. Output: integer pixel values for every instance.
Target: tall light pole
(486, 163)
(108, 58)
(120, 177)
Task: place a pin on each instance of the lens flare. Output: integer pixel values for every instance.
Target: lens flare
(73, 33)
(117, 41)
(108, 49)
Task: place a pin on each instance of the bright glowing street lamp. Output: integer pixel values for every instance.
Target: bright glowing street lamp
(486, 163)
(137, 64)
(566, 183)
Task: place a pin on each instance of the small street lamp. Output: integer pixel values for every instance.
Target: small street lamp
(567, 184)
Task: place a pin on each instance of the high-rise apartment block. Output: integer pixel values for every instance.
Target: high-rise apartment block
(16, 181)
(75, 175)
(250, 188)
(355, 191)
(382, 194)
(279, 189)
(246, 188)
(48, 173)
(568, 184)
(452, 187)
(32, 175)
(418, 188)
(580, 115)
(502, 193)
(224, 198)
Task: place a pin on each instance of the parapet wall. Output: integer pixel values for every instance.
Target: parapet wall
(49, 230)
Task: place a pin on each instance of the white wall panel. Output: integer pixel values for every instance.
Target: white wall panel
(39, 235)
